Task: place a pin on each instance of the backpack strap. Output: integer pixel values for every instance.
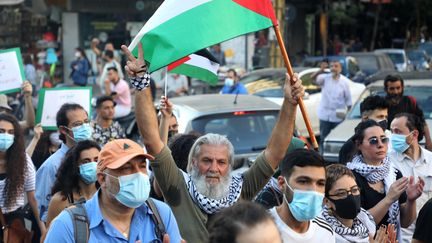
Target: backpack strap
(160, 230)
(78, 214)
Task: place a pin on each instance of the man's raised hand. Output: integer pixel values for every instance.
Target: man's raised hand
(134, 66)
(293, 90)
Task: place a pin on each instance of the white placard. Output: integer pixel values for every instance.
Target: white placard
(11, 70)
(50, 101)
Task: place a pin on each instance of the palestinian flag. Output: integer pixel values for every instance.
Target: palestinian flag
(179, 28)
(201, 65)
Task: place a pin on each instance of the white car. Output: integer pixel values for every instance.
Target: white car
(268, 83)
(399, 59)
(421, 89)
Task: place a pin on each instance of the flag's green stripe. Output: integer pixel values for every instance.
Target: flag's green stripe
(198, 28)
(196, 72)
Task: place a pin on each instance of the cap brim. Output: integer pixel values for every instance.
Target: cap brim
(125, 159)
(6, 107)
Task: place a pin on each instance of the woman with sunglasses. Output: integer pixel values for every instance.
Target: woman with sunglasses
(385, 193)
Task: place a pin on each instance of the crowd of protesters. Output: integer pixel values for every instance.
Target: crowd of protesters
(86, 182)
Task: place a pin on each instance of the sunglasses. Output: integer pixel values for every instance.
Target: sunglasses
(375, 140)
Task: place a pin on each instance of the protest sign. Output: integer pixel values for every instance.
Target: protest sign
(50, 101)
(11, 70)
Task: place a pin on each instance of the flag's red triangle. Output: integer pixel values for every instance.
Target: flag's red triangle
(262, 7)
(178, 63)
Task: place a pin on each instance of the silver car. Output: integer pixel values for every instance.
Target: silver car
(246, 120)
(421, 89)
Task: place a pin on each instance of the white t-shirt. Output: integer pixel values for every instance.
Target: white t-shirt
(319, 231)
(29, 185)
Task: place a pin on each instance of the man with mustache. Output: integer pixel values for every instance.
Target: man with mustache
(208, 186)
(399, 103)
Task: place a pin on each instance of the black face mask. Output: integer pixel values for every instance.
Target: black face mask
(347, 208)
(383, 124)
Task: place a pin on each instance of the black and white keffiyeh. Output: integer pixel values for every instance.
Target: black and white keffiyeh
(210, 205)
(373, 174)
(141, 82)
(360, 230)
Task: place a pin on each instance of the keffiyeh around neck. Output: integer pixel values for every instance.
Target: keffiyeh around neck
(210, 205)
(359, 232)
(373, 174)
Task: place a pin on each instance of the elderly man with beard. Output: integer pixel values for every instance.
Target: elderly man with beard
(209, 186)
(399, 103)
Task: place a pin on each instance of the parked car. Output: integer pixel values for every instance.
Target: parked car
(371, 62)
(246, 120)
(427, 47)
(350, 67)
(399, 59)
(421, 89)
(268, 83)
(419, 59)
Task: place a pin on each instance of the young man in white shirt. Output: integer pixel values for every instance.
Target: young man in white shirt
(302, 182)
(411, 159)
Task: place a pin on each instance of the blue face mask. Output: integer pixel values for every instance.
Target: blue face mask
(134, 189)
(88, 172)
(81, 133)
(398, 142)
(6, 141)
(306, 205)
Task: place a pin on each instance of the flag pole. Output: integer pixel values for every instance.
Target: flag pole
(291, 73)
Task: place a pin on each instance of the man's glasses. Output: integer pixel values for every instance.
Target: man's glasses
(343, 193)
(375, 140)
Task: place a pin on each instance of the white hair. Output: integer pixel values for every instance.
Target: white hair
(209, 139)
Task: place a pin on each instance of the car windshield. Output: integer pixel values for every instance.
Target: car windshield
(247, 131)
(416, 56)
(271, 84)
(423, 95)
(268, 76)
(367, 63)
(397, 58)
(426, 47)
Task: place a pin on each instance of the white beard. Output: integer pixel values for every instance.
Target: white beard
(213, 191)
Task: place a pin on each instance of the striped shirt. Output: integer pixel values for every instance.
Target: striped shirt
(29, 185)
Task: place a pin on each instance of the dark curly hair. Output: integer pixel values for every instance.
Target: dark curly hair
(16, 163)
(68, 176)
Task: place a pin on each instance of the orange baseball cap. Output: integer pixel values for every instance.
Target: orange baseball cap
(118, 152)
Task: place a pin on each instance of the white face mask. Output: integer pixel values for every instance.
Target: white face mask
(77, 54)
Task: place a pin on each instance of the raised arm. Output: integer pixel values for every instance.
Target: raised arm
(37, 135)
(27, 90)
(166, 113)
(284, 128)
(144, 111)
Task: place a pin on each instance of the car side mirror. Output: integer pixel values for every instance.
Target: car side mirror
(341, 113)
